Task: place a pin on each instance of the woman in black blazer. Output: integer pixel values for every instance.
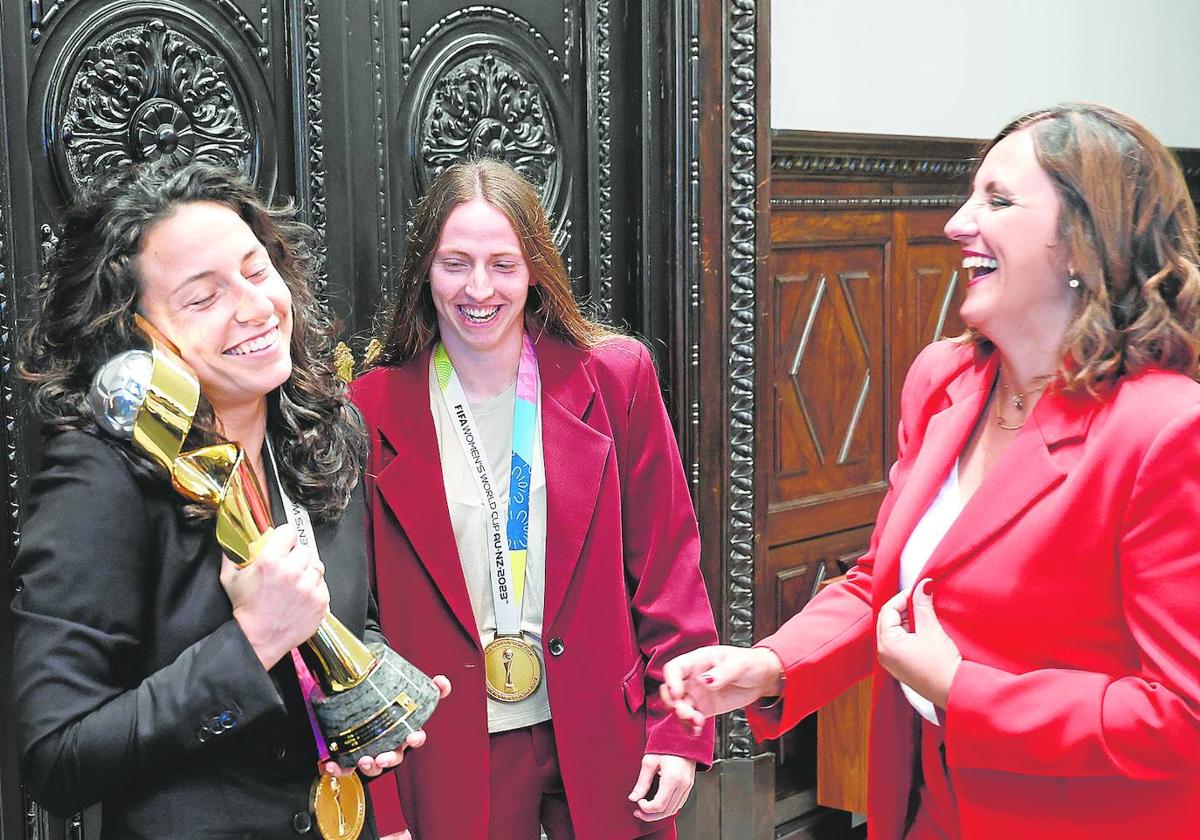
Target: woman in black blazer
(151, 673)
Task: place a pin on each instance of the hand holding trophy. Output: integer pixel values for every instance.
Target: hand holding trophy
(370, 699)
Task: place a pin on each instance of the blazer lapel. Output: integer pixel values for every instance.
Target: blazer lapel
(1026, 471)
(574, 455)
(945, 435)
(412, 486)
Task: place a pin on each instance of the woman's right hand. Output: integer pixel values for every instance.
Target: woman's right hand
(280, 598)
(718, 679)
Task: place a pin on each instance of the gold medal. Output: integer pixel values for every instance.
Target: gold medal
(512, 668)
(340, 806)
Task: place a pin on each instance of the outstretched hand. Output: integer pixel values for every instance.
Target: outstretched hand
(718, 679)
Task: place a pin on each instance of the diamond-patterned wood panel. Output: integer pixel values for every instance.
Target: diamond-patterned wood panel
(859, 279)
(828, 372)
(939, 285)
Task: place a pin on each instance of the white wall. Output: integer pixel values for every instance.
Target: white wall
(963, 68)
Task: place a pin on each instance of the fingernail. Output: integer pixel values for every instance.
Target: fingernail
(927, 586)
(707, 679)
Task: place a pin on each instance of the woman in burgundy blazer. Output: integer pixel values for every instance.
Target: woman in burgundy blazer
(1061, 668)
(623, 591)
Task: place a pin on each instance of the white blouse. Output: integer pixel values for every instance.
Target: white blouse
(943, 510)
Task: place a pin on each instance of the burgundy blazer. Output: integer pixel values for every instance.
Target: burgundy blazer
(1071, 584)
(624, 592)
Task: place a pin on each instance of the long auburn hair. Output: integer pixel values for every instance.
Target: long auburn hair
(411, 326)
(1129, 226)
(88, 296)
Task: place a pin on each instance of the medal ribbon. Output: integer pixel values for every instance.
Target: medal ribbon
(507, 566)
(298, 518)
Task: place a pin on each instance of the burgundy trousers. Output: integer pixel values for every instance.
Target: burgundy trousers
(527, 790)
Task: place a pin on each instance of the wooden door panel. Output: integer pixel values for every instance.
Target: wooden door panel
(860, 278)
(809, 227)
(796, 571)
(828, 366)
(932, 284)
(935, 269)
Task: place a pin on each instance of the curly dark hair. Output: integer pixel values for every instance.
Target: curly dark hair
(1130, 227)
(88, 297)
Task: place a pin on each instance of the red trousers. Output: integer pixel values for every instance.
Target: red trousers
(937, 813)
(527, 789)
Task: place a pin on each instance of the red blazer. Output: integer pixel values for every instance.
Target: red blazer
(623, 587)
(1071, 584)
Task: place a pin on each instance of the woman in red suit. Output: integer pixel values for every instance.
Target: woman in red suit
(552, 605)
(1027, 605)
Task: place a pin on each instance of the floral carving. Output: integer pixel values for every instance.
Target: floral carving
(147, 93)
(484, 106)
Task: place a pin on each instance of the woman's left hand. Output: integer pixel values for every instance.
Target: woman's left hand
(675, 777)
(915, 649)
(371, 766)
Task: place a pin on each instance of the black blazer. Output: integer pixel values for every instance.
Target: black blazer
(134, 685)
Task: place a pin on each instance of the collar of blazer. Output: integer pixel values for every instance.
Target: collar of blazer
(1024, 473)
(574, 455)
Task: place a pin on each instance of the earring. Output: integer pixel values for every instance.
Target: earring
(1073, 280)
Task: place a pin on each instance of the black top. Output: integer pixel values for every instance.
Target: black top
(134, 685)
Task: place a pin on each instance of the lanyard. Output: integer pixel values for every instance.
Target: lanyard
(507, 563)
(298, 518)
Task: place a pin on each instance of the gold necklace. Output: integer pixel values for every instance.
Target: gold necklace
(1018, 402)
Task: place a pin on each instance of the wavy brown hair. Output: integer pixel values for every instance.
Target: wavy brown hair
(88, 296)
(411, 324)
(1129, 226)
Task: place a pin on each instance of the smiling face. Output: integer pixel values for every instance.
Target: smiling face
(1008, 228)
(479, 280)
(209, 286)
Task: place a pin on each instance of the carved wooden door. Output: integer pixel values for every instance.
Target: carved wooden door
(531, 82)
(860, 277)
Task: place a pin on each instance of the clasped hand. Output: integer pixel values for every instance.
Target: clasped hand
(913, 646)
(279, 600)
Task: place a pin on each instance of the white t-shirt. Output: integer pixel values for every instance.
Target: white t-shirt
(943, 510)
(494, 420)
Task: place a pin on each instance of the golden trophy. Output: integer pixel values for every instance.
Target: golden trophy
(373, 698)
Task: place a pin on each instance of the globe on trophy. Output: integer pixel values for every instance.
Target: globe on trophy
(373, 698)
(119, 390)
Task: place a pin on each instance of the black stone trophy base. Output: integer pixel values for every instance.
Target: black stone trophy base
(376, 715)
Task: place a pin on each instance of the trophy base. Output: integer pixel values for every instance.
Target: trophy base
(379, 713)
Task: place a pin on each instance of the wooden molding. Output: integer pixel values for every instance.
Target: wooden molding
(842, 156)
(866, 202)
(870, 157)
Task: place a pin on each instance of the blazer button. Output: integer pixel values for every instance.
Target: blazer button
(226, 720)
(556, 646)
(301, 822)
(280, 751)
